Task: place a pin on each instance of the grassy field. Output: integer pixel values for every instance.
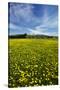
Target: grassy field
(33, 62)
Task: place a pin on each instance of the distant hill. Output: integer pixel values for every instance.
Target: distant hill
(31, 36)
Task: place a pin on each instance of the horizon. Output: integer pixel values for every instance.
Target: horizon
(32, 19)
(32, 35)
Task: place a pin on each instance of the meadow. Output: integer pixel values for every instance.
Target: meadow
(32, 62)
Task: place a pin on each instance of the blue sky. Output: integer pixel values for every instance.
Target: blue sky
(32, 19)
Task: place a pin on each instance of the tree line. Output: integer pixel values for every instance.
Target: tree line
(30, 36)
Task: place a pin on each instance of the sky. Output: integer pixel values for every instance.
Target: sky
(32, 19)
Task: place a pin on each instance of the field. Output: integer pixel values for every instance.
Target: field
(32, 62)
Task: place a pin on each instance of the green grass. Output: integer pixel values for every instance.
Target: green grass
(33, 62)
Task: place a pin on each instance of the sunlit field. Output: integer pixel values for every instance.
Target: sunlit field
(33, 62)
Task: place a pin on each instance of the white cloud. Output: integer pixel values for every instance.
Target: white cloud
(50, 27)
(23, 11)
(42, 32)
(45, 23)
(34, 31)
(13, 26)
